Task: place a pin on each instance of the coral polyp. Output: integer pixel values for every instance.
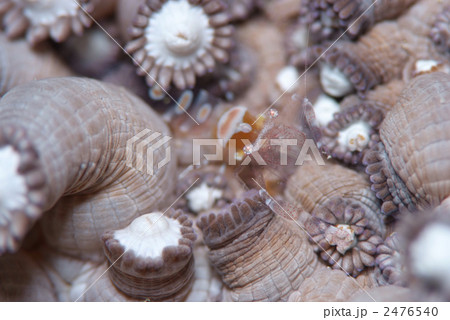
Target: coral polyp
(177, 41)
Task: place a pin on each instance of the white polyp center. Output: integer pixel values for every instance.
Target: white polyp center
(287, 79)
(47, 12)
(342, 236)
(203, 198)
(424, 66)
(178, 34)
(334, 81)
(13, 188)
(355, 137)
(300, 38)
(324, 108)
(430, 256)
(149, 234)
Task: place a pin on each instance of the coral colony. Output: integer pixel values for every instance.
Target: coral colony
(225, 150)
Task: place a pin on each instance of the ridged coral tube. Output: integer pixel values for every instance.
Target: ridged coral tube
(20, 64)
(331, 18)
(410, 167)
(252, 248)
(153, 257)
(379, 56)
(313, 185)
(67, 137)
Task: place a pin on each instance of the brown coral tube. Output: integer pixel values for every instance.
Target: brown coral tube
(206, 287)
(252, 248)
(313, 185)
(379, 56)
(104, 8)
(408, 168)
(70, 137)
(20, 64)
(281, 10)
(440, 33)
(139, 271)
(23, 279)
(327, 285)
(330, 18)
(385, 96)
(422, 16)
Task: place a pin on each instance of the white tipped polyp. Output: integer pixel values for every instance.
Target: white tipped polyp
(203, 198)
(287, 79)
(423, 66)
(324, 108)
(149, 234)
(430, 257)
(355, 137)
(47, 12)
(334, 81)
(178, 34)
(13, 188)
(300, 38)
